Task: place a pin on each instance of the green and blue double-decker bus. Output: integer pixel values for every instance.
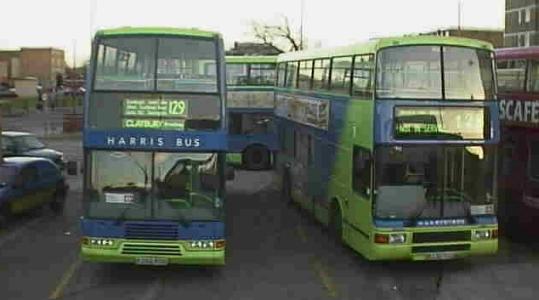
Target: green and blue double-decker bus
(250, 104)
(154, 148)
(391, 144)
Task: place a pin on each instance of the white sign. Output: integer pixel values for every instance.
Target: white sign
(306, 110)
(119, 198)
(523, 111)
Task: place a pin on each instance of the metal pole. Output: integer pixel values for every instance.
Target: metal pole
(301, 26)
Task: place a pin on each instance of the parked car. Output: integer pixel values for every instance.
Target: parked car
(30, 182)
(16, 143)
(6, 91)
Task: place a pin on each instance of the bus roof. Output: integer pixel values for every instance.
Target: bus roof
(251, 59)
(372, 46)
(517, 53)
(157, 31)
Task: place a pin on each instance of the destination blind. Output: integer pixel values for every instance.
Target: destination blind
(154, 113)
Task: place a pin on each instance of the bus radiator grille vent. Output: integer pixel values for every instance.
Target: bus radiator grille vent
(151, 249)
(151, 231)
(441, 237)
(441, 248)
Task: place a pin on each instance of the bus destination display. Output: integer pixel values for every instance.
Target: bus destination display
(459, 123)
(154, 113)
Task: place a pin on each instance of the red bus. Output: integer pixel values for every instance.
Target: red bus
(518, 94)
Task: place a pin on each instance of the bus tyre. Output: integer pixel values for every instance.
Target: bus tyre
(256, 158)
(58, 202)
(335, 223)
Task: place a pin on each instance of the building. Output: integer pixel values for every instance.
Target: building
(253, 49)
(41, 63)
(493, 36)
(521, 23)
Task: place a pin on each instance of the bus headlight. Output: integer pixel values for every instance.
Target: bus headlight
(204, 245)
(397, 238)
(482, 235)
(96, 242)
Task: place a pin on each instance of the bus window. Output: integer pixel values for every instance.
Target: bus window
(125, 64)
(281, 75)
(363, 74)
(236, 74)
(361, 171)
(291, 74)
(533, 84)
(340, 75)
(321, 74)
(182, 65)
(468, 74)
(511, 75)
(533, 160)
(262, 74)
(305, 71)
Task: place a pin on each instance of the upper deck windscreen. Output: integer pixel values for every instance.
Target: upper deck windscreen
(155, 82)
(156, 64)
(435, 72)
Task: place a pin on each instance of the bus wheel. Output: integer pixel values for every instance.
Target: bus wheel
(256, 158)
(335, 223)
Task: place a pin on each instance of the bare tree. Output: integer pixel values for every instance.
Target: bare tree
(280, 34)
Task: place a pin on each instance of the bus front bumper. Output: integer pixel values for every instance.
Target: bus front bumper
(151, 253)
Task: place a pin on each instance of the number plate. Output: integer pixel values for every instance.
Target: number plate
(152, 261)
(440, 255)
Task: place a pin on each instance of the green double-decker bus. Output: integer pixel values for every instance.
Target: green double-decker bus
(154, 148)
(391, 144)
(250, 104)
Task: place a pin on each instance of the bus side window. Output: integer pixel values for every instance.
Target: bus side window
(341, 71)
(321, 74)
(361, 171)
(511, 75)
(305, 74)
(291, 74)
(363, 75)
(281, 75)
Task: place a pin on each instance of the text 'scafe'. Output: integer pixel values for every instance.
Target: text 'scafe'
(520, 111)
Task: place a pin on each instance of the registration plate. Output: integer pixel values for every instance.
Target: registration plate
(440, 255)
(152, 261)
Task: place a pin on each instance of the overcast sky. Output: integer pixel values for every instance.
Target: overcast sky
(69, 24)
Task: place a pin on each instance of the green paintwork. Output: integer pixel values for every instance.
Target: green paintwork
(372, 46)
(234, 158)
(156, 31)
(114, 254)
(251, 59)
(356, 209)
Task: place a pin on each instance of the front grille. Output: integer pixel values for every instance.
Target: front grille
(151, 231)
(444, 236)
(441, 248)
(151, 249)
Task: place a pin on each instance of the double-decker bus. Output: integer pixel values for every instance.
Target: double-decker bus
(154, 148)
(391, 144)
(518, 94)
(250, 104)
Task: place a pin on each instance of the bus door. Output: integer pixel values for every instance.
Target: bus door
(299, 170)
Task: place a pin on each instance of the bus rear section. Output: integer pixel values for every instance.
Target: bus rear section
(250, 104)
(518, 94)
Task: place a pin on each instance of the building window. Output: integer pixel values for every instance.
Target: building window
(527, 16)
(361, 170)
(520, 16)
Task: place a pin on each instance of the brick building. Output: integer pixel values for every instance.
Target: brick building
(493, 36)
(41, 63)
(521, 23)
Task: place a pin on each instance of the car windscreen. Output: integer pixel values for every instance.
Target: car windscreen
(28, 142)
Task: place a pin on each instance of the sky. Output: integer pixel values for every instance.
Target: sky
(70, 24)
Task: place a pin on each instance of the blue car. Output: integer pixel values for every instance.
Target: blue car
(30, 182)
(16, 143)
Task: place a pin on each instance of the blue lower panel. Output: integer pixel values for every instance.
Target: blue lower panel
(153, 230)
